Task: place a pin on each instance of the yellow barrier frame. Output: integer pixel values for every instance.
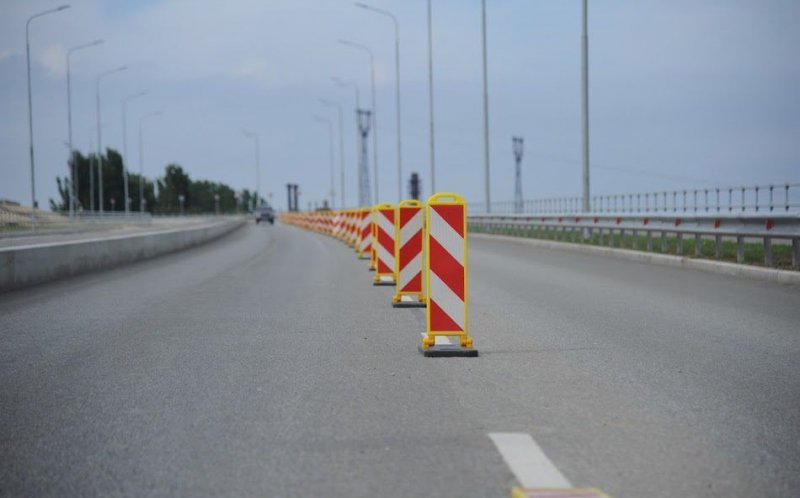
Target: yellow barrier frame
(430, 338)
(398, 293)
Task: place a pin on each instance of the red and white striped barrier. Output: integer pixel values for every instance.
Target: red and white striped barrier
(364, 233)
(408, 255)
(383, 243)
(446, 277)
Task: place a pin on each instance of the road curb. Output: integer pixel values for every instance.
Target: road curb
(718, 267)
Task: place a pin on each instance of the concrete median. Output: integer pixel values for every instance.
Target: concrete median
(22, 266)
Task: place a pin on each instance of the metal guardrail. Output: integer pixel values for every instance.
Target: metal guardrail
(776, 198)
(721, 227)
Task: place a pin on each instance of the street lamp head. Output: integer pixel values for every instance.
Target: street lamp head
(96, 42)
(122, 68)
(63, 7)
(361, 4)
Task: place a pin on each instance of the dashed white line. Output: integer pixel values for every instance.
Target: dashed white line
(527, 461)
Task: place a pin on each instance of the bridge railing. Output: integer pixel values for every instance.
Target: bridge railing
(774, 198)
(627, 229)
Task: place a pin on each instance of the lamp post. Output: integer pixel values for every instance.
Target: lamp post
(253, 136)
(73, 173)
(430, 99)
(341, 147)
(397, 92)
(30, 106)
(141, 159)
(99, 134)
(341, 82)
(374, 110)
(125, 144)
(585, 104)
(330, 151)
(487, 176)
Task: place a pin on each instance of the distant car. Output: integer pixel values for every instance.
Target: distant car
(265, 213)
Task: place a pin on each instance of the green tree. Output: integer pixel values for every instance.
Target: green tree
(174, 184)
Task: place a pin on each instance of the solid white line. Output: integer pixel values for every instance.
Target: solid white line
(527, 461)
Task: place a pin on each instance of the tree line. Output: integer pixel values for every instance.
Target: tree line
(162, 195)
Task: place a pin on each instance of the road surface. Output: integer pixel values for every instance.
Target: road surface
(266, 364)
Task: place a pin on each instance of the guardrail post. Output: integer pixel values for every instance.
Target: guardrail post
(771, 191)
(786, 196)
(649, 241)
(756, 199)
(718, 246)
(698, 245)
(663, 242)
(679, 244)
(796, 254)
(767, 251)
(739, 249)
(635, 244)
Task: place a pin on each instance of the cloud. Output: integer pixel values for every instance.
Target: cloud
(54, 60)
(250, 67)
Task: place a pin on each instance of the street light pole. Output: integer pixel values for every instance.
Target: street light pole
(585, 104)
(430, 100)
(374, 111)
(100, 136)
(125, 144)
(252, 135)
(30, 106)
(397, 93)
(341, 148)
(330, 152)
(340, 82)
(141, 159)
(73, 174)
(487, 176)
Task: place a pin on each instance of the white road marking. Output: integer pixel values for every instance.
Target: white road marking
(527, 461)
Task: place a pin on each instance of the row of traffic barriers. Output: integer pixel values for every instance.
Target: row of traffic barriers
(419, 249)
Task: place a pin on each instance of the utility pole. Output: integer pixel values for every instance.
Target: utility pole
(364, 119)
(517, 145)
(585, 104)
(487, 178)
(91, 175)
(430, 100)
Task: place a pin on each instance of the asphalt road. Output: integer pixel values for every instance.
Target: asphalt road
(266, 364)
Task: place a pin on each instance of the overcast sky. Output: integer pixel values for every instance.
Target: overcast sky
(684, 93)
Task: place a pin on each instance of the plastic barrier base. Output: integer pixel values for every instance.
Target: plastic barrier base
(383, 281)
(408, 302)
(448, 351)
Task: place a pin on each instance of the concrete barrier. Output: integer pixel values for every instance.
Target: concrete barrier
(22, 266)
